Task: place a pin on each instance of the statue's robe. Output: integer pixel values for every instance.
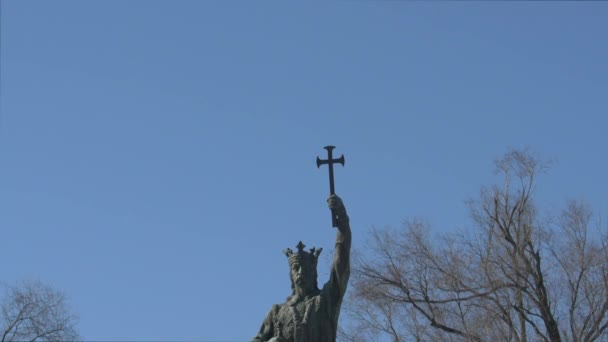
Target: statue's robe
(313, 318)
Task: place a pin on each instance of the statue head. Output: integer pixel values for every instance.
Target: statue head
(303, 269)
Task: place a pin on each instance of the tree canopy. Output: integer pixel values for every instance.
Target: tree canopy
(516, 276)
(33, 311)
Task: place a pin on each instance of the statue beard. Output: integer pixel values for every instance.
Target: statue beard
(304, 286)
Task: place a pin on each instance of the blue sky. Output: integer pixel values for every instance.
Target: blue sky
(157, 157)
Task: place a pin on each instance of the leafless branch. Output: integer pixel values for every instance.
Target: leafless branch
(32, 311)
(512, 278)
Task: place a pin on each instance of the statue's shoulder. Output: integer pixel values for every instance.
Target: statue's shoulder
(273, 312)
(329, 295)
(325, 291)
(275, 309)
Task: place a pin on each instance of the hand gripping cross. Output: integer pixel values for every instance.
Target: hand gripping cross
(330, 163)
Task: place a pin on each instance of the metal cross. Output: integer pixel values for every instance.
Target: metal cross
(330, 163)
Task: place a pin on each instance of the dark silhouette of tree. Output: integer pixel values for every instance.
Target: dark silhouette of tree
(515, 277)
(32, 311)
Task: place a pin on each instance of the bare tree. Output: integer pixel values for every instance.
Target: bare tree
(33, 311)
(515, 277)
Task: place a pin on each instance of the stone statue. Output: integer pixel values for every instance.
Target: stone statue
(310, 314)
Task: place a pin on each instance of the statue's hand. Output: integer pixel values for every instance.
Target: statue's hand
(335, 204)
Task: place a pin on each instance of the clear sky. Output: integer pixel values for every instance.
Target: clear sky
(157, 157)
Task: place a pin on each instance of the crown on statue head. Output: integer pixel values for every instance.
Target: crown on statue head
(302, 256)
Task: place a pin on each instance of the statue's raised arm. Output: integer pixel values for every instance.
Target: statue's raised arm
(340, 268)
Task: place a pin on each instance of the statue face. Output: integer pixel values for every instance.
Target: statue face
(303, 276)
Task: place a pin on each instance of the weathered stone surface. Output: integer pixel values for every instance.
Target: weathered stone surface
(311, 314)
